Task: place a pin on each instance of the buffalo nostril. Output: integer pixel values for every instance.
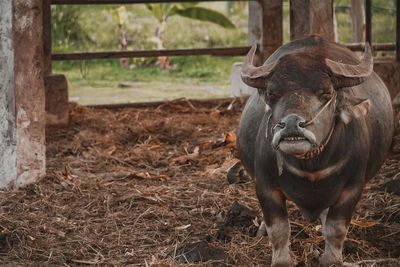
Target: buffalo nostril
(292, 122)
(302, 124)
(279, 125)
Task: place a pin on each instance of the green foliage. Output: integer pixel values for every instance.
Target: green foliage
(162, 11)
(120, 16)
(234, 7)
(66, 28)
(205, 14)
(189, 10)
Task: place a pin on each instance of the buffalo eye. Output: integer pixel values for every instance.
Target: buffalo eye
(324, 95)
(273, 94)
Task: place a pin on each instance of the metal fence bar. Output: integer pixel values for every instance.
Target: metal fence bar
(230, 51)
(119, 2)
(233, 51)
(368, 21)
(398, 30)
(374, 46)
(47, 37)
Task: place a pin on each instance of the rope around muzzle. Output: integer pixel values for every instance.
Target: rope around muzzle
(304, 124)
(318, 150)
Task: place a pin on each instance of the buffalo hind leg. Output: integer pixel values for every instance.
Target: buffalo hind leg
(277, 225)
(335, 227)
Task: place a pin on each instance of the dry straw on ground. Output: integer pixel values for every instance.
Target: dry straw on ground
(141, 187)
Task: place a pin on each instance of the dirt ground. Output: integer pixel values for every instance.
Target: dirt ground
(148, 187)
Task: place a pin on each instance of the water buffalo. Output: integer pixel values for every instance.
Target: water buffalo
(318, 129)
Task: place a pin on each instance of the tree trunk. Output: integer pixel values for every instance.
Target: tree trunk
(123, 43)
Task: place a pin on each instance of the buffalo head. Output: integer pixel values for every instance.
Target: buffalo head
(303, 94)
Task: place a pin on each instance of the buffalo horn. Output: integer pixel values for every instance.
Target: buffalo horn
(347, 75)
(255, 76)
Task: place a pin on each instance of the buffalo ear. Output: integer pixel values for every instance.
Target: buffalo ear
(356, 110)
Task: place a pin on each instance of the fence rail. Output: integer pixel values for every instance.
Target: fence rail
(231, 51)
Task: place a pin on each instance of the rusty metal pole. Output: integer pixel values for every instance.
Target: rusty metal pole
(47, 37)
(398, 31)
(368, 21)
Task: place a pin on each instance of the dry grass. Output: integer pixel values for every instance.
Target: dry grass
(132, 186)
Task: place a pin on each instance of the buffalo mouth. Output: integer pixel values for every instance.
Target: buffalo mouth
(293, 139)
(295, 145)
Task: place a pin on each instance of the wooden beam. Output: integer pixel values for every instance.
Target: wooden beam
(120, 2)
(233, 51)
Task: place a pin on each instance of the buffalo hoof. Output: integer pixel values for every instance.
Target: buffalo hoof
(282, 264)
(283, 261)
(345, 264)
(328, 260)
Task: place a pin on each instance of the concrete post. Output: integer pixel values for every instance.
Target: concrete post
(308, 17)
(22, 124)
(265, 27)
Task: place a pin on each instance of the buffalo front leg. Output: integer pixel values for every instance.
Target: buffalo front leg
(335, 226)
(273, 204)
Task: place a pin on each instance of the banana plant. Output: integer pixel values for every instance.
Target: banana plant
(120, 17)
(188, 10)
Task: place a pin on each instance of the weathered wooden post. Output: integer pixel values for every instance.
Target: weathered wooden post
(265, 29)
(265, 26)
(22, 99)
(357, 17)
(56, 84)
(309, 17)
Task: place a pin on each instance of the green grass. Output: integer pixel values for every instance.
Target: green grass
(99, 81)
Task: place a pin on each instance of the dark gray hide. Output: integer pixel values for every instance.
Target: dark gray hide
(323, 165)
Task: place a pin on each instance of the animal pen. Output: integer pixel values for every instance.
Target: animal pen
(146, 184)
